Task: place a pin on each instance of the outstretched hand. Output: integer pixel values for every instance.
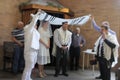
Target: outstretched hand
(39, 10)
(92, 17)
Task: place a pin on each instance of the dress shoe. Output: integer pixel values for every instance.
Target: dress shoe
(71, 68)
(76, 69)
(20, 71)
(15, 73)
(56, 75)
(99, 77)
(65, 74)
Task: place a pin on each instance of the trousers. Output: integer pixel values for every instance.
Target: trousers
(74, 57)
(61, 61)
(105, 69)
(30, 61)
(18, 59)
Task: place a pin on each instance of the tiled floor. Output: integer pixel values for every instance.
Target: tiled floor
(73, 75)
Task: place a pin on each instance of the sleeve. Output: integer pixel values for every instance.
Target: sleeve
(56, 35)
(110, 44)
(33, 21)
(83, 40)
(96, 27)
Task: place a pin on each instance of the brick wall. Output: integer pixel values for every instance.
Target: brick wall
(101, 10)
(9, 16)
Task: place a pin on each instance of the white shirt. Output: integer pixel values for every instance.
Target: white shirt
(100, 47)
(62, 37)
(31, 35)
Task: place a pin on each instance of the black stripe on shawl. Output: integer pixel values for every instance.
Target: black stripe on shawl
(80, 20)
(45, 16)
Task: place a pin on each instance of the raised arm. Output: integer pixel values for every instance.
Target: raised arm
(96, 27)
(34, 20)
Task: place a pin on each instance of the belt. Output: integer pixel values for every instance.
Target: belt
(64, 45)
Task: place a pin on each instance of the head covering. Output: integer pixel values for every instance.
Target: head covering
(78, 28)
(106, 23)
(48, 29)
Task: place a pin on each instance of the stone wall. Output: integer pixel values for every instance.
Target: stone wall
(9, 16)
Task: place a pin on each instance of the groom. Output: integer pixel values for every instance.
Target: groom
(62, 39)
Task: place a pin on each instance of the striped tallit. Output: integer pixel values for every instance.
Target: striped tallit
(58, 21)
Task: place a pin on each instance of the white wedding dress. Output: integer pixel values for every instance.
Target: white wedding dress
(43, 55)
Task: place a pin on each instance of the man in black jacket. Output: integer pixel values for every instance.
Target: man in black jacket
(104, 47)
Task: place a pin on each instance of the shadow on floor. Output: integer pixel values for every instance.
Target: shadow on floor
(73, 75)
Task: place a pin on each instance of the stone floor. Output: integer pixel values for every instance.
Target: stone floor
(73, 75)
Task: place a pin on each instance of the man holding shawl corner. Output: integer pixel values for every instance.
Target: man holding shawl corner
(106, 48)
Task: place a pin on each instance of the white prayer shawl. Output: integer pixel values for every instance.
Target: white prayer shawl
(107, 49)
(64, 36)
(64, 40)
(32, 36)
(54, 45)
(58, 21)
